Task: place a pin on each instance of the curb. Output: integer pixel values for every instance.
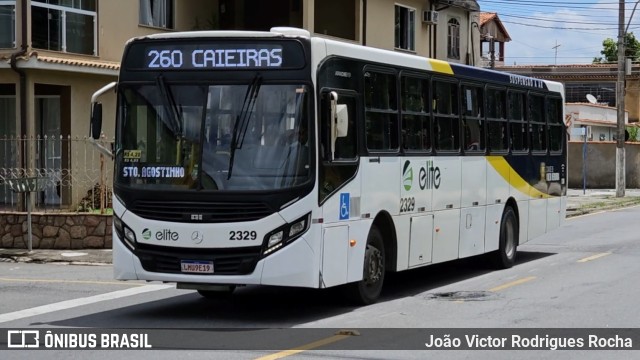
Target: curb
(61, 257)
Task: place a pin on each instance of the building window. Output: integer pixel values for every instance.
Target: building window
(8, 143)
(405, 28)
(157, 13)
(7, 24)
(453, 42)
(64, 25)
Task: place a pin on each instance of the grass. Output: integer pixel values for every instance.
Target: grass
(108, 211)
(608, 203)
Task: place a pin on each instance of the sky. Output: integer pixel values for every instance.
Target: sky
(576, 27)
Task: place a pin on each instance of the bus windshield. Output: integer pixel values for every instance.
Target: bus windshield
(213, 137)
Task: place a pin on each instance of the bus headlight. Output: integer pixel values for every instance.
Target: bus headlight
(298, 227)
(285, 234)
(125, 233)
(275, 239)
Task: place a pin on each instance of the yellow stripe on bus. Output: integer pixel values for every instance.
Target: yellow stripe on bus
(503, 168)
(441, 66)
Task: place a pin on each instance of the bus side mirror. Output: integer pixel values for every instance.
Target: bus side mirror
(342, 120)
(339, 121)
(96, 120)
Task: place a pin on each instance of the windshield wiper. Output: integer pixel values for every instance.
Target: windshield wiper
(242, 120)
(170, 103)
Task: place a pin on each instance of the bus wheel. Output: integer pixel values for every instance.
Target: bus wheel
(223, 293)
(505, 257)
(367, 290)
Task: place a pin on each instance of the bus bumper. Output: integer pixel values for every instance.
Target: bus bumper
(293, 265)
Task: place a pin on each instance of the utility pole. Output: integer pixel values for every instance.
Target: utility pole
(556, 49)
(492, 52)
(620, 155)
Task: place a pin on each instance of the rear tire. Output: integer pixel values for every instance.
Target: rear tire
(367, 290)
(217, 294)
(505, 256)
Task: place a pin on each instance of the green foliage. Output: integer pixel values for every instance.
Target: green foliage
(610, 50)
(633, 133)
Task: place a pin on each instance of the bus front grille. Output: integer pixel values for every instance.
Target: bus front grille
(201, 212)
(235, 261)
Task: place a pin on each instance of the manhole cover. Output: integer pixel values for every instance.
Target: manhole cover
(462, 295)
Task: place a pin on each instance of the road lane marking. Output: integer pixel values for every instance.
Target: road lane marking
(513, 283)
(68, 304)
(341, 335)
(125, 283)
(593, 257)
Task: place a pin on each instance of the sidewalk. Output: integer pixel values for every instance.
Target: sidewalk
(592, 200)
(580, 203)
(63, 257)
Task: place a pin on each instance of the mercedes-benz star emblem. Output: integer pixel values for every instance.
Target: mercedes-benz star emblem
(197, 237)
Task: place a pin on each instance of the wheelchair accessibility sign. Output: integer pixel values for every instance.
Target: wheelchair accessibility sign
(344, 206)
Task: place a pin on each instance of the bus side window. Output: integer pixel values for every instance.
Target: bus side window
(446, 119)
(498, 135)
(537, 123)
(473, 118)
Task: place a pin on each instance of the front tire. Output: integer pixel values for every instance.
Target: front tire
(367, 290)
(505, 257)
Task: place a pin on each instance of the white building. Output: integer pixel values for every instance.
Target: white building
(599, 120)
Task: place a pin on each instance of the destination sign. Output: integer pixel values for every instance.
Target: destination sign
(214, 56)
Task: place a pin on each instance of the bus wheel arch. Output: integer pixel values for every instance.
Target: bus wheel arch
(378, 258)
(505, 256)
(384, 223)
(514, 205)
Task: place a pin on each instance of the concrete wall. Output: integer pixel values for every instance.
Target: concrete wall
(56, 231)
(601, 165)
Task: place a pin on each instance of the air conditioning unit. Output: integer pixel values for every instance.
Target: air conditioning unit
(430, 17)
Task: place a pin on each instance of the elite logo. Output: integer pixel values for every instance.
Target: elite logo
(407, 175)
(428, 176)
(162, 235)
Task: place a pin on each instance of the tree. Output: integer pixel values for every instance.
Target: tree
(610, 49)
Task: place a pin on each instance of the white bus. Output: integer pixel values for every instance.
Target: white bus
(281, 158)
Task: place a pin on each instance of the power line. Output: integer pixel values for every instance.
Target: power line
(555, 20)
(553, 4)
(527, 12)
(562, 28)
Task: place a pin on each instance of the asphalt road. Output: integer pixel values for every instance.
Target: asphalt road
(584, 275)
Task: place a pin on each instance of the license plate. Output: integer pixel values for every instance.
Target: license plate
(195, 266)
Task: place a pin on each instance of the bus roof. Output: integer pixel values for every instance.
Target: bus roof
(275, 32)
(382, 56)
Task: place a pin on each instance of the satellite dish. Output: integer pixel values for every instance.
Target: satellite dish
(592, 99)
